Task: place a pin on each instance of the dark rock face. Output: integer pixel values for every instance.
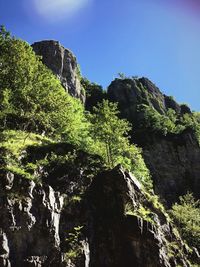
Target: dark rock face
(62, 63)
(130, 93)
(118, 239)
(36, 219)
(30, 226)
(47, 226)
(173, 160)
(171, 103)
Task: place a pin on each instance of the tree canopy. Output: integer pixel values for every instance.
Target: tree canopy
(31, 97)
(186, 214)
(111, 134)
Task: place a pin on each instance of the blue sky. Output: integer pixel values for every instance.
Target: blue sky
(159, 39)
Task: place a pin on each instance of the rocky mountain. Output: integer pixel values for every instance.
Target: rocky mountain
(63, 64)
(130, 93)
(173, 159)
(61, 205)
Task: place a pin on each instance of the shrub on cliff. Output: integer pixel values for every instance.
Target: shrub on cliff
(187, 216)
(157, 122)
(170, 122)
(111, 138)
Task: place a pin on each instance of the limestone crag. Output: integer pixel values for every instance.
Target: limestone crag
(172, 159)
(130, 93)
(63, 64)
(174, 162)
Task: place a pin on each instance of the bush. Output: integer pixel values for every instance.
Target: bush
(187, 217)
(31, 97)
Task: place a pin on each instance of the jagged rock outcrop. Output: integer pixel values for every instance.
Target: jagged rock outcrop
(39, 215)
(130, 93)
(118, 233)
(63, 64)
(29, 223)
(67, 219)
(173, 159)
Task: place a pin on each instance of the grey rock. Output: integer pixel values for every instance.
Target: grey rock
(31, 225)
(4, 250)
(171, 103)
(9, 180)
(130, 94)
(63, 64)
(117, 238)
(35, 230)
(174, 162)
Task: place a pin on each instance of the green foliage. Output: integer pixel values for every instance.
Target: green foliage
(111, 136)
(121, 75)
(15, 142)
(187, 217)
(16, 170)
(157, 122)
(170, 122)
(94, 93)
(141, 212)
(108, 129)
(31, 97)
(191, 121)
(74, 246)
(33, 102)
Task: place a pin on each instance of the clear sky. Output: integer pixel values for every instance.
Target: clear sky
(159, 39)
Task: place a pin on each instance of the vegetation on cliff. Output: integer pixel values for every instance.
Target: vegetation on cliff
(45, 130)
(171, 122)
(32, 100)
(186, 214)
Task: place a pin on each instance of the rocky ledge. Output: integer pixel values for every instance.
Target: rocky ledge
(71, 220)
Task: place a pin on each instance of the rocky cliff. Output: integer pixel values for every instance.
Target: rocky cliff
(76, 215)
(130, 93)
(173, 159)
(63, 64)
(62, 207)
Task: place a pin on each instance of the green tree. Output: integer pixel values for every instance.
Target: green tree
(187, 217)
(109, 129)
(31, 97)
(94, 93)
(111, 137)
(121, 75)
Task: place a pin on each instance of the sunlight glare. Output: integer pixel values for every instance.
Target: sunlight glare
(58, 9)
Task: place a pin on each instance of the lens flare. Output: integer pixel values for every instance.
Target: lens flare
(58, 9)
(191, 7)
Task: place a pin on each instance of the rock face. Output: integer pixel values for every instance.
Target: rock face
(63, 64)
(118, 235)
(130, 93)
(30, 226)
(172, 159)
(65, 220)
